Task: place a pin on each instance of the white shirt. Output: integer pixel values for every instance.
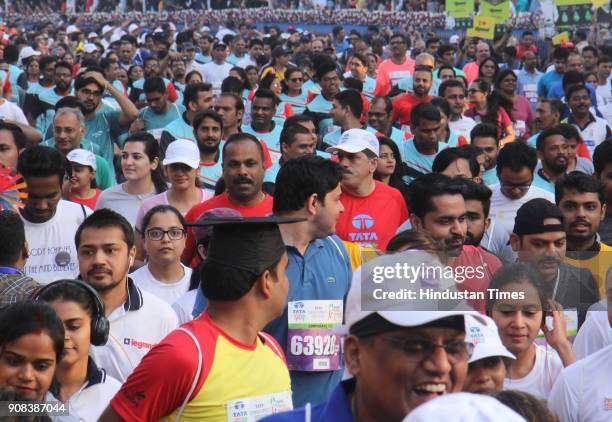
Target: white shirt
(53, 254)
(168, 292)
(93, 397)
(594, 133)
(604, 94)
(540, 380)
(142, 322)
(184, 306)
(215, 73)
(595, 333)
(503, 209)
(462, 127)
(11, 111)
(583, 391)
(246, 61)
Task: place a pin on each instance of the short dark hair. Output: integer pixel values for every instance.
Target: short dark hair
(160, 209)
(265, 93)
(192, 90)
(451, 83)
(353, 83)
(445, 48)
(573, 89)
(580, 182)
(602, 156)
(43, 62)
(446, 67)
(239, 104)
(560, 53)
(18, 136)
(424, 111)
(590, 48)
(405, 39)
(289, 133)
(352, 99)
(80, 82)
(12, 233)
(441, 104)
(556, 106)
(473, 191)
(485, 130)
(235, 85)
(103, 218)
(300, 177)
(425, 187)
(154, 84)
(545, 134)
(386, 100)
(297, 119)
(518, 272)
(603, 59)
(569, 131)
(41, 161)
(206, 114)
(449, 155)
(241, 136)
(516, 155)
(572, 77)
(65, 65)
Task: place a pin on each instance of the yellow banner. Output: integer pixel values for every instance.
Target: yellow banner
(561, 38)
(600, 3)
(484, 27)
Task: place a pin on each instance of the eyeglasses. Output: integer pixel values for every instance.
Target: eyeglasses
(88, 93)
(174, 233)
(457, 351)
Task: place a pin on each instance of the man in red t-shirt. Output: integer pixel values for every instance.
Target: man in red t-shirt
(438, 207)
(526, 44)
(421, 84)
(243, 174)
(372, 210)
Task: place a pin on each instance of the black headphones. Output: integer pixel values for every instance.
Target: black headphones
(100, 326)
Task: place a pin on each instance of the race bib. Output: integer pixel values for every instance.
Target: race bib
(311, 343)
(531, 92)
(398, 75)
(520, 127)
(255, 408)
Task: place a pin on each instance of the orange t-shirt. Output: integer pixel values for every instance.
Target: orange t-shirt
(390, 74)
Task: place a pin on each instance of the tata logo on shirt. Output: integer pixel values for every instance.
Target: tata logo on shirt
(239, 413)
(363, 221)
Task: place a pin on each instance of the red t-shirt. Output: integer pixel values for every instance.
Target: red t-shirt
(520, 50)
(91, 202)
(503, 120)
(372, 220)
(477, 269)
(220, 201)
(403, 105)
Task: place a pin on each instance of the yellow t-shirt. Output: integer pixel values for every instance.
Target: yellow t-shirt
(598, 265)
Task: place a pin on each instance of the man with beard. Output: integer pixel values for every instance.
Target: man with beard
(177, 66)
(547, 115)
(437, 206)
(138, 319)
(231, 109)
(602, 161)
(486, 137)
(263, 127)
(103, 125)
(47, 98)
(453, 91)
(553, 150)
(242, 160)
(207, 130)
(581, 200)
(319, 107)
(539, 238)
(594, 130)
(403, 105)
(197, 97)
(379, 119)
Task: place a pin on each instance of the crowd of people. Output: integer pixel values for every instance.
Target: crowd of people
(215, 224)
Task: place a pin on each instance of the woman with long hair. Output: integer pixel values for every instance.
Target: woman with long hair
(389, 169)
(33, 72)
(182, 163)
(31, 345)
(486, 109)
(193, 77)
(252, 77)
(78, 380)
(293, 91)
(488, 70)
(506, 84)
(140, 163)
(373, 62)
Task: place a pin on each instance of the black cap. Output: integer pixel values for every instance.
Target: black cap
(280, 51)
(247, 243)
(219, 44)
(531, 215)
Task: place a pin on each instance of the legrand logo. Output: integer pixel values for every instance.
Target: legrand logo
(137, 344)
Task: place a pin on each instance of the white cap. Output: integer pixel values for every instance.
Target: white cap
(183, 151)
(106, 29)
(92, 35)
(82, 157)
(364, 300)
(357, 140)
(454, 39)
(205, 29)
(158, 30)
(72, 29)
(133, 27)
(27, 52)
(464, 407)
(485, 338)
(285, 35)
(90, 48)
